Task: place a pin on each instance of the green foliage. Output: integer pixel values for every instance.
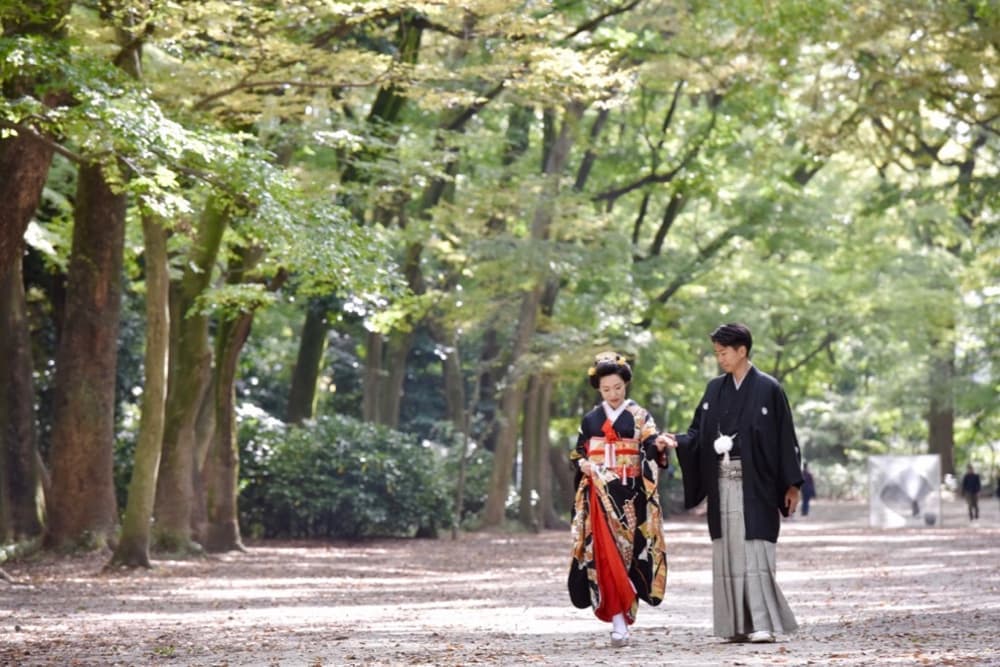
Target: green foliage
(831, 167)
(338, 477)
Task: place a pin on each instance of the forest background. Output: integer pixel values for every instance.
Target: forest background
(338, 269)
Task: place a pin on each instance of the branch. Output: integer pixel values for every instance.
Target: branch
(825, 344)
(684, 276)
(665, 177)
(589, 156)
(344, 28)
(671, 111)
(458, 122)
(32, 133)
(279, 83)
(803, 174)
(592, 24)
(670, 214)
(423, 23)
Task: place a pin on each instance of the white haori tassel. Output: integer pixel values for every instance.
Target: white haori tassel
(724, 445)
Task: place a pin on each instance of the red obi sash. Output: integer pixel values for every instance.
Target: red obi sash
(620, 457)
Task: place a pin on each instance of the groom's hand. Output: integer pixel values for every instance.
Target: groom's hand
(792, 499)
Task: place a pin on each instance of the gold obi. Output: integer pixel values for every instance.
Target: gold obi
(620, 457)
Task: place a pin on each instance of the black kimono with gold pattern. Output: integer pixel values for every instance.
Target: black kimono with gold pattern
(625, 488)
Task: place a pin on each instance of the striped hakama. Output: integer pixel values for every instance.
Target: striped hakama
(745, 593)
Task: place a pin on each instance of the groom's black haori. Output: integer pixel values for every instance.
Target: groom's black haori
(759, 415)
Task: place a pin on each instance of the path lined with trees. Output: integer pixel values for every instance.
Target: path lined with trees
(313, 269)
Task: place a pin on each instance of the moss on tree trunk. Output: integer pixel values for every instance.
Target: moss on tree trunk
(82, 511)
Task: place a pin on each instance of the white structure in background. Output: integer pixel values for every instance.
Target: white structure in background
(904, 491)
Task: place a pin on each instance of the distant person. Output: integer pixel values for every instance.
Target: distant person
(996, 481)
(808, 488)
(619, 555)
(741, 453)
(971, 486)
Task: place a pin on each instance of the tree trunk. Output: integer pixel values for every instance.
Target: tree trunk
(83, 509)
(513, 393)
(530, 456)
(24, 160)
(941, 409)
(385, 111)
(385, 372)
(22, 498)
(546, 498)
(451, 372)
(537, 511)
(190, 370)
(24, 167)
(204, 440)
(312, 347)
(133, 547)
(391, 395)
(221, 473)
(221, 469)
(372, 381)
(487, 385)
(511, 401)
(464, 425)
(561, 476)
(395, 347)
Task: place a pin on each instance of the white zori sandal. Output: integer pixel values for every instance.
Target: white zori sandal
(619, 639)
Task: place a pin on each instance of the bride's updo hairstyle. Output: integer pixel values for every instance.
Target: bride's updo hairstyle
(609, 363)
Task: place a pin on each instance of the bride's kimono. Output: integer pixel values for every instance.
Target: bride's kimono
(619, 555)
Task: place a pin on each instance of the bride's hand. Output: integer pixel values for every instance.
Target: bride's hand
(665, 440)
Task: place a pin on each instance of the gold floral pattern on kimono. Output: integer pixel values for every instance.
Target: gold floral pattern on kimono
(631, 509)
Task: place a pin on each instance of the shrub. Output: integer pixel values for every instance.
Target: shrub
(338, 477)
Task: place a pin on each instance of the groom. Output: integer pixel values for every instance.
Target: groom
(741, 453)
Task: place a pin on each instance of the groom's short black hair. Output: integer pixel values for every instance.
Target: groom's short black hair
(733, 335)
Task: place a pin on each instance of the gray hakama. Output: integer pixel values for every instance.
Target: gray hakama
(745, 593)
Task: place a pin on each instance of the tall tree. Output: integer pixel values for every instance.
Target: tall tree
(83, 511)
(384, 114)
(929, 129)
(22, 504)
(133, 545)
(220, 471)
(132, 549)
(188, 376)
(512, 395)
(26, 151)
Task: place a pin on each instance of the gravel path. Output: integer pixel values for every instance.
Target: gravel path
(863, 597)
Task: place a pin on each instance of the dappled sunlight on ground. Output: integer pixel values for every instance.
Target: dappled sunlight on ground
(914, 596)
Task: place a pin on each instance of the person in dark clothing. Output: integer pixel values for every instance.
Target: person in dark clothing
(741, 453)
(996, 482)
(971, 486)
(808, 488)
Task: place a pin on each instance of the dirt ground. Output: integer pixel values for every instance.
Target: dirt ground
(862, 596)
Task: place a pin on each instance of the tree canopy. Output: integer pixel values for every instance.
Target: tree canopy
(431, 215)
